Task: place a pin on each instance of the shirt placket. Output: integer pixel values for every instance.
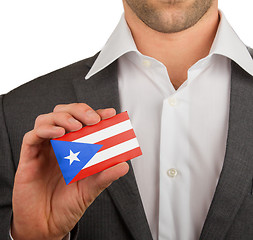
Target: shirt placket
(174, 174)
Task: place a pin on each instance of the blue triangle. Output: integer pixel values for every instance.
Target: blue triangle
(83, 151)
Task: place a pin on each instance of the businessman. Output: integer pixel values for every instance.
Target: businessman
(186, 80)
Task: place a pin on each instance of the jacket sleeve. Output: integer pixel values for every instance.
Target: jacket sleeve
(7, 173)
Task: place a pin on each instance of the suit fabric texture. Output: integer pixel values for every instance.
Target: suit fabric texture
(118, 214)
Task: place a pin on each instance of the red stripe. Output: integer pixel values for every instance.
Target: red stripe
(117, 139)
(107, 164)
(94, 128)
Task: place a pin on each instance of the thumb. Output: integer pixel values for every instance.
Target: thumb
(92, 186)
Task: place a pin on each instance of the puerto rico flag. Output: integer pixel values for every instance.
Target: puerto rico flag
(95, 148)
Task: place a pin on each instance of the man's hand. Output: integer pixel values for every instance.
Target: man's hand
(44, 207)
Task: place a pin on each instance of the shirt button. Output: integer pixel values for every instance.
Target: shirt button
(172, 172)
(146, 63)
(172, 102)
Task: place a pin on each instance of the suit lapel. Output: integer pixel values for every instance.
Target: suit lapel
(101, 91)
(125, 195)
(237, 170)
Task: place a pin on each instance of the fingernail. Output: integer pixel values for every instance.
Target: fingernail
(92, 116)
(74, 121)
(113, 111)
(91, 113)
(60, 131)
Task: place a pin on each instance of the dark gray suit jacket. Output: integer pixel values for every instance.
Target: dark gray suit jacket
(117, 214)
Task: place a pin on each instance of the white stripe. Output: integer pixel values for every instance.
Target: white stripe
(106, 133)
(113, 151)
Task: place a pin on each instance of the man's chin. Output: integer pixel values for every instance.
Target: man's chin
(169, 16)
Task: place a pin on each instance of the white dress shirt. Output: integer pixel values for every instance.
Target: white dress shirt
(182, 133)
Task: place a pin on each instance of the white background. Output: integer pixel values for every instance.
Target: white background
(37, 37)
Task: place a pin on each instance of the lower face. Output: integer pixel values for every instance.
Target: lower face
(170, 16)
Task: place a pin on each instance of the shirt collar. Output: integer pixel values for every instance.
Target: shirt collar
(226, 43)
(119, 43)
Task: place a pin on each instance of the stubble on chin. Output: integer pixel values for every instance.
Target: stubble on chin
(170, 16)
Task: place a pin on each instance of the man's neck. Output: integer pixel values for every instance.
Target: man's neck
(177, 51)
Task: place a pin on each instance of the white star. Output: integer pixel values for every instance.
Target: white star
(72, 157)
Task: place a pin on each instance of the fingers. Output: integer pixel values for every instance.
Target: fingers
(106, 113)
(62, 119)
(80, 111)
(84, 113)
(65, 118)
